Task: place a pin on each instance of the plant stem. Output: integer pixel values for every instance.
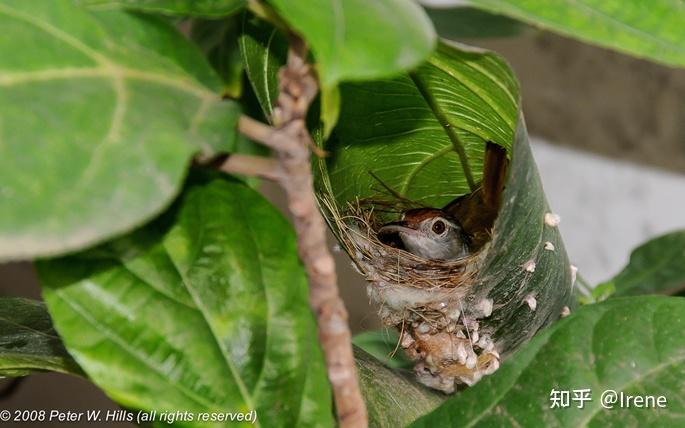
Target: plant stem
(292, 143)
(254, 166)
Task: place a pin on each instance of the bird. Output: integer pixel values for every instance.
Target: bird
(462, 226)
(429, 233)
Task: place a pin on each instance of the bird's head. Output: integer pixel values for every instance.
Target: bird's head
(429, 233)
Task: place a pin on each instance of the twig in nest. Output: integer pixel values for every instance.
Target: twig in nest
(390, 190)
(291, 144)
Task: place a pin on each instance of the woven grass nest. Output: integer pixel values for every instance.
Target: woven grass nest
(431, 303)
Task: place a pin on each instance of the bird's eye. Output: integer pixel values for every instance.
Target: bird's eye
(439, 227)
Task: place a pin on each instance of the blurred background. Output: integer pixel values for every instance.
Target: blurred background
(608, 135)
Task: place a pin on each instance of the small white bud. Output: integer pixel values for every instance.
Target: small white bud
(461, 354)
(531, 302)
(471, 361)
(552, 219)
(529, 266)
(549, 246)
(565, 311)
(574, 274)
(484, 307)
(407, 341)
(484, 341)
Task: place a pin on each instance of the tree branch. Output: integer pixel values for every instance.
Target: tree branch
(291, 143)
(254, 166)
(258, 131)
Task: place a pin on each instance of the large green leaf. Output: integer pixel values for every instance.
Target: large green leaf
(647, 29)
(218, 39)
(422, 133)
(630, 345)
(466, 22)
(204, 310)
(359, 39)
(28, 342)
(99, 117)
(209, 8)
(392, 398)
(656, 267)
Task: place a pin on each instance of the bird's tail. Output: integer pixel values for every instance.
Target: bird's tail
(494, 174)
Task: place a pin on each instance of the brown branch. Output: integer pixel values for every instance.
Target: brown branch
(257, 131)
(254, 166)
(291, 143)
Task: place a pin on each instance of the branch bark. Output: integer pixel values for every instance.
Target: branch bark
(291, 143)
(254, 166)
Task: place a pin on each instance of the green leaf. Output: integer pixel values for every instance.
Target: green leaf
(207, 8)
(383, 346)
(598, 294)
(466, 22)
(358, 39)
(418, 135)
(205, 310)
(264, 50)
(330, 109)
(629, 345)
(218, 39)
(656, 267)
(423, 134)
(28, 342)
(115, 117)
(392, 398)
(653, 30)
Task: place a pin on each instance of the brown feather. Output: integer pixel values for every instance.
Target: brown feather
(477, 211)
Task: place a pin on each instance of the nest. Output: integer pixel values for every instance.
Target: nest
(433, 304)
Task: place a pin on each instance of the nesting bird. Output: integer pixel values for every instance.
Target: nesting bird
(459, 228)
(429, 233)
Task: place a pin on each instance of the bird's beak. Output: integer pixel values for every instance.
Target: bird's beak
(395, 227)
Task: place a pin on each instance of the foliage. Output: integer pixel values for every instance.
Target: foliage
(206, 8)
(191, 312)
(178, 290)
(423, 134)
(652, 30)
(584, 351)
(655, 267)
(29, 342)
(383, 346)
(466, 22)
(392, 398)
(151, 104)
